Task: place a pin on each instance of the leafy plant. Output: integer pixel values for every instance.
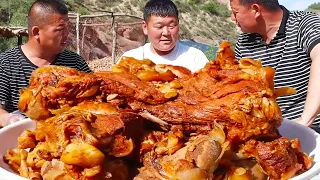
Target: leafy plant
(216, 9)
(13, 13)
(6, 43)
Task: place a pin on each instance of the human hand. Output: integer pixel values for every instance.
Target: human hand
(11, 118)
(303, 122)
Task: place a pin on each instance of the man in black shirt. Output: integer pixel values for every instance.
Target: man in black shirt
(289, 42)
(48, 32)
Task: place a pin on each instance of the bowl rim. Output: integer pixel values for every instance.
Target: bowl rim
(311, 173)
(3, 172)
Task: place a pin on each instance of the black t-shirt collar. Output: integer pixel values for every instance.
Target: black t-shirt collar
(28, 60)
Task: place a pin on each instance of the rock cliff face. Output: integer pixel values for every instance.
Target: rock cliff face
(96, 42)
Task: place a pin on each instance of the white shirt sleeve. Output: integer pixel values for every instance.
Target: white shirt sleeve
(200, 61)
(135, 53)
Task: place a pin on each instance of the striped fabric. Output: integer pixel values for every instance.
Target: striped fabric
(15, 71)
(289, 54)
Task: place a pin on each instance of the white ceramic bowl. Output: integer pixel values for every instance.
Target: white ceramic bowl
(309, 139)
(8, 140)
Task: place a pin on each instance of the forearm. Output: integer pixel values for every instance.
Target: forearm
(3, 114)
(312, 104)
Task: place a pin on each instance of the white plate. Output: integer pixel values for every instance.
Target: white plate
(309, 139)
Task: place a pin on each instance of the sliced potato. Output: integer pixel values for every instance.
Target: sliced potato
(82, 154)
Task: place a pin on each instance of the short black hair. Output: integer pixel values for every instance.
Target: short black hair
(271, 5)
(45, 7)
(162, 8)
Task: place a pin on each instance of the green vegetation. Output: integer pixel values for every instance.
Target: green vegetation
(212, 7)
(6, 43)
(184, 32)
(183, 7)
(13, 13)
(82, 11)
(216, 9)
(193, 2)
(315, 6)
(76, 6)
(211, 52)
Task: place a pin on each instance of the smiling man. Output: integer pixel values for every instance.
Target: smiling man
(48, 31)
(161, 25)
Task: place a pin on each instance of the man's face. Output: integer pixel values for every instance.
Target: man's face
(53, 36)
(162, 32)
(245, 17)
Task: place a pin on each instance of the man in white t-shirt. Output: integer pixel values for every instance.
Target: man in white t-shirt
(161, 25)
